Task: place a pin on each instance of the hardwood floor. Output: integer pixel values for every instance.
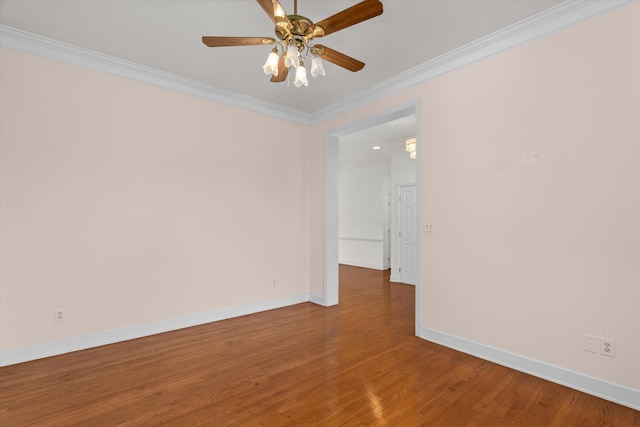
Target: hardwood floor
(355, 364)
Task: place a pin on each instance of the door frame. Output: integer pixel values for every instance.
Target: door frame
(331, 196)
(386, 222)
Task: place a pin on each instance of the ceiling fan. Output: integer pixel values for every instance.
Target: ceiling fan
(295, 34)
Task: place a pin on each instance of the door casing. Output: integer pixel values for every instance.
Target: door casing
(331, 196)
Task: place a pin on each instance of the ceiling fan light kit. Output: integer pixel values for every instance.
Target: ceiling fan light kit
(295, 34)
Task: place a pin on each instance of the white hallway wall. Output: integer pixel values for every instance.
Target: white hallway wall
(361, 222)
(361, 210)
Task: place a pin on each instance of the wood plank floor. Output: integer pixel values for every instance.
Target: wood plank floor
(356, 364)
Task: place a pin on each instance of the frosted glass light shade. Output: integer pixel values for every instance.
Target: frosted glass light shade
(291, 59)
(301, 76)
(271, 66)
(410, 145)
(317, 68)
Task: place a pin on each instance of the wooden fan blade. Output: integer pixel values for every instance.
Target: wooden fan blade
(357, 13)
(274, 10)
(267, 5)
(283, 71)
(214, 41)
(339, 59)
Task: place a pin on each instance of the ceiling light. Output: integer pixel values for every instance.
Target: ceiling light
(271, 66)
(295, 34)
(291, 59)
(301, 76)
(410, 146)
(294, 55)
(317, 69)
(376, 147)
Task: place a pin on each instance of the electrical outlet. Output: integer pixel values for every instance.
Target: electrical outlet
(607, 347)
(590, 343)
(58, 315)
(429, 227)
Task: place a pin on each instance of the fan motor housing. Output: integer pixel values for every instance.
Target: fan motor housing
(301, 29)
(300, 24)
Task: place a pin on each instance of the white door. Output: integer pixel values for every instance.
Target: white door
(386, 225)
(408, 226)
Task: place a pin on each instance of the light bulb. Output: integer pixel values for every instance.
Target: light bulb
(317, 69)
(271, 66)
(301, 76)
(291, 59)
(410, 144)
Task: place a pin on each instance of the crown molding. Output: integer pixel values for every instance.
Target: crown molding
(563, 15)
(52, 49)
(553, 19)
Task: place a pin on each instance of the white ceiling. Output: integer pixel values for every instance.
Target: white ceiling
(166, 35)
(357, 148)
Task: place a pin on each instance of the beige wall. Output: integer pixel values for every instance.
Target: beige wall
(124, 203)
(530, 169)
(532, 173)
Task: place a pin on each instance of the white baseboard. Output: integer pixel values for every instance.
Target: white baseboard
(68, 345)
(606, 390)
(398, 279)
(363, 264)
(316, 299)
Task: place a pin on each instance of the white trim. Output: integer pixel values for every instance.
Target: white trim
(360, 239)
(553, 19)
(330, 242)
(316, 299)
(398, 112)
(604, 389)
(563, 15)
(423, 143)
(396, 279)
(53, 348)
(52, 49)
(363, 265)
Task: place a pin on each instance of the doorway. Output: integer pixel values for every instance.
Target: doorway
(331, 198)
